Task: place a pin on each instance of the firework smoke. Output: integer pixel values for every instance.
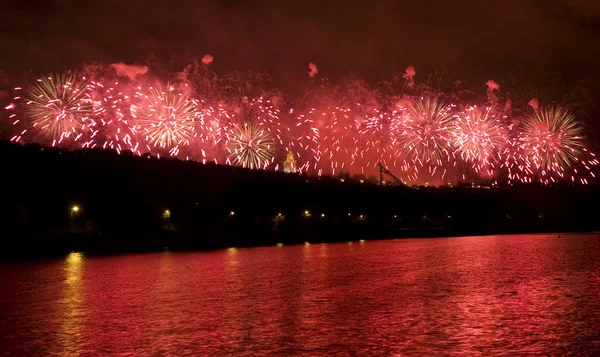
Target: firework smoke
(534, 104)
(207, 59)
(129, 71)
(312, 69)
(493, 88)
(409, 75)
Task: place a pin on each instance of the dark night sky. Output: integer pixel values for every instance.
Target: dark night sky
(544, 42)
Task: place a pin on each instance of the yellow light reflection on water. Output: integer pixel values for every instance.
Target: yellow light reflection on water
(74, 257)
(72, 309)
(73, 266)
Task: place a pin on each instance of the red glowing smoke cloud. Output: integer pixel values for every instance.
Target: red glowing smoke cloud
(492, 85)
(492, 88)
(207, 59)
(409, 75)
(129, 71)
(534, 104)
(312, 69)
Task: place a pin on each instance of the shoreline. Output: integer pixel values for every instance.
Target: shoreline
(60, 247)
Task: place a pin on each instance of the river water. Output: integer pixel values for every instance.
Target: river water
(496, 295)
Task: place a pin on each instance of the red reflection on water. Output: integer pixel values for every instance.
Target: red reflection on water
(464, 296)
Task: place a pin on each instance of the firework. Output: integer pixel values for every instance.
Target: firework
(263, 112)
(328, 140)
(425, 134)
(552, 140)
(334, 131)
(250, 146)
(213, 123)
(58, 106)
(113, 125)
(165, 117)
(478, 136)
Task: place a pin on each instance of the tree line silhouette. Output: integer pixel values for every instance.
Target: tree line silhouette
(126, 202)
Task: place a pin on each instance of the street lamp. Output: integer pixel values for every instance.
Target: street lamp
(74, 210)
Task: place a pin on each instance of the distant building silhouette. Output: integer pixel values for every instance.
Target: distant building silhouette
(289, 165)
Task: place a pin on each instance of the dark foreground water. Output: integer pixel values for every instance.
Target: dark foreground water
(499, 295)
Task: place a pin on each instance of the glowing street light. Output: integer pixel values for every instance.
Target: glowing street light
(74, 210)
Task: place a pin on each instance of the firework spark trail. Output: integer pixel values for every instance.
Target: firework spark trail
(262, 112)
(425, 136)
(549, 148)
(213, 123)
(166, 117)
(552, 139)
(112, 126)
(58, 107)
(250, 146)
(478, 136)
(329, 140)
